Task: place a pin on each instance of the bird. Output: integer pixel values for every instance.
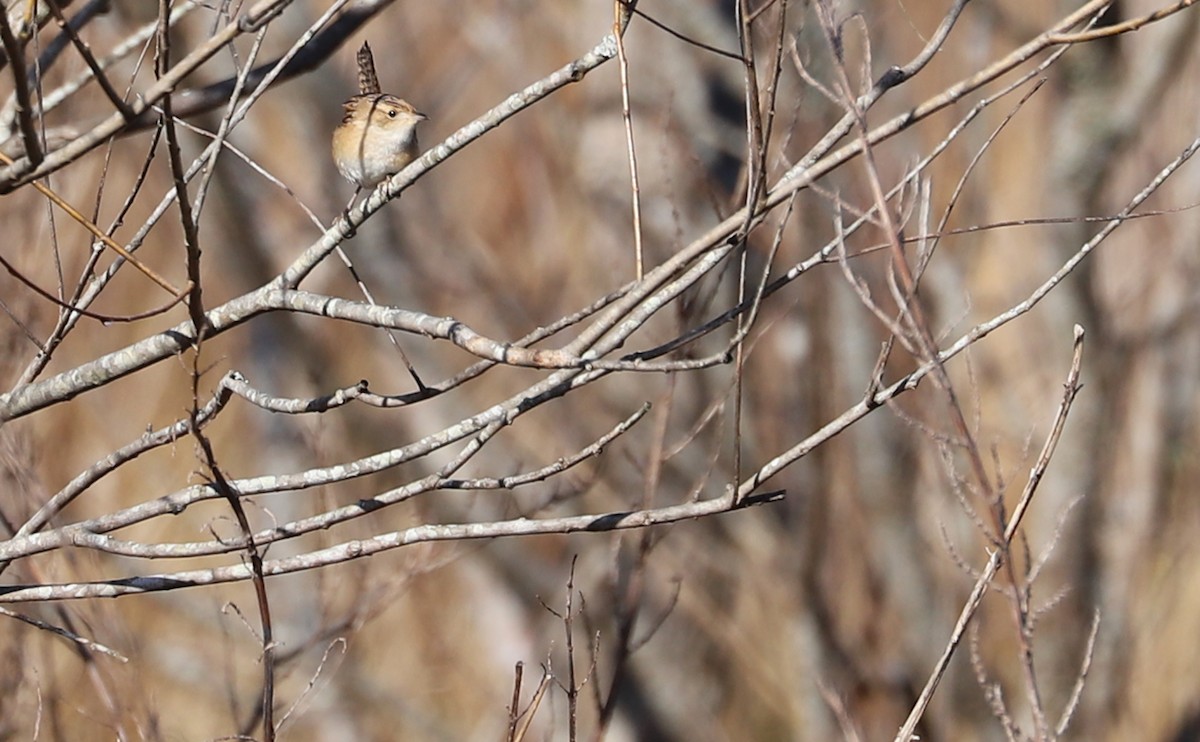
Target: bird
(378, 133)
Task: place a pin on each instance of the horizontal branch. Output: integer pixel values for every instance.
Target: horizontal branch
(89, 535)
(27, 399)
(360, 548)
(69, 384)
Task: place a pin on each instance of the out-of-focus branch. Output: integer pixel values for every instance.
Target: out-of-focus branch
(99, 234)
(322, 46)
(25, 170)
(14, 50)
(69, 32)
(1071, 388)
(17, 18)
(70, 636)
(24, 547)
(1133, 24)
(133, 41)
(713, 244)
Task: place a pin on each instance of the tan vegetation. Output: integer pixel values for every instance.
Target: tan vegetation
(764, 531)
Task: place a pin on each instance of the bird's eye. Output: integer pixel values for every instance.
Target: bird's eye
(392, 114)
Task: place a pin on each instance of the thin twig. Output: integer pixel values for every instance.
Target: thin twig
(71, 636)
(81, 46)
(622, 10)
(1072, 705)
(514, 708)
(14, 51)
(1071, 389)
(107, 241)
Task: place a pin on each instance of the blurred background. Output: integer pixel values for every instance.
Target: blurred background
(818, 617)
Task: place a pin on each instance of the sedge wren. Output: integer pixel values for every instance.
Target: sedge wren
(378, 133)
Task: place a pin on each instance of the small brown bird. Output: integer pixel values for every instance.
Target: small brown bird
(378, 133)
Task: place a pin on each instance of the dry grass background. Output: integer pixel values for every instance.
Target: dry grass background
(757, 624)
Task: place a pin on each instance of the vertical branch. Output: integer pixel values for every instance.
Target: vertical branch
(195, 302)
(162, 63)
(572, 687)
(773, 88)
(755, 181)
(1085, 665)
(755, 154)
(1070, 390)
(622, 12)
(918, 332)
(629, 600)
(15, 51)
(514, 711)
(524, 719)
